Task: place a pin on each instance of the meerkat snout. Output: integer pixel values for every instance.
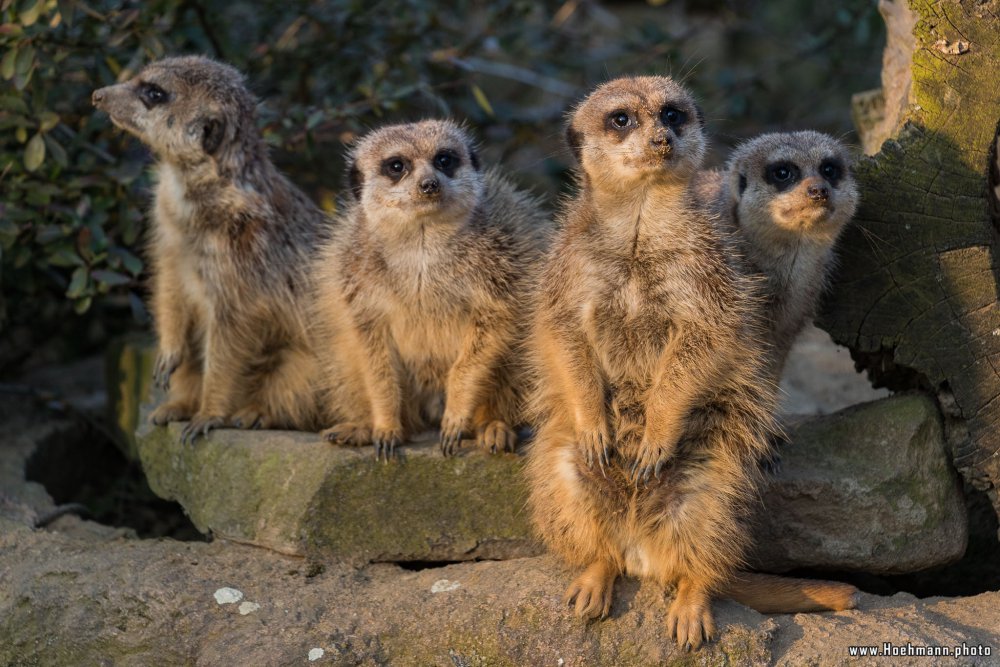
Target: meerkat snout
(817, 191)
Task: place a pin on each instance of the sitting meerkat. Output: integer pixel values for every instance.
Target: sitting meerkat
(785, 198)
(420, 293)
(230, 250)
(651, 394)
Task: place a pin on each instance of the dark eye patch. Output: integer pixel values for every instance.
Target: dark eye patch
(395, 167)
(619, 120)
(447, 162)
(152, 95)
(673, 117)
(831, 170)
(782, 175)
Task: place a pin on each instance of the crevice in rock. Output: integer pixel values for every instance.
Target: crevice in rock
(417, 565)
(86, 468)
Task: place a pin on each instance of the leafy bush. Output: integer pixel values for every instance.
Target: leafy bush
(74, 190)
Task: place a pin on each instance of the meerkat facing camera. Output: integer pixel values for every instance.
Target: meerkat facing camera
(230, 252)
(419, 295)
(652, 400)
(785, 198)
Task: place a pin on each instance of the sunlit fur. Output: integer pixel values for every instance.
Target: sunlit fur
(785, 236)
(646, 340)
(230, 251)
(420, 300)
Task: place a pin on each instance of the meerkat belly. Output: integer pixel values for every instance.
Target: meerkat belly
(427, 344)
(629, 328)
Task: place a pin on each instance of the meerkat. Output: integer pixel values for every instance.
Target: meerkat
(231, 245)
(785, 198)
(419, 294)
(651, 399)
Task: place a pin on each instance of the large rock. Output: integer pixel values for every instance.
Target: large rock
(868, 488)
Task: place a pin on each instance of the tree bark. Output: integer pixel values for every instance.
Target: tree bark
(916, 295)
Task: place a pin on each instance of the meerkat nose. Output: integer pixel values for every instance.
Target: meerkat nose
(818, 192)
(430, 186)
(97, 97)
(660, 142)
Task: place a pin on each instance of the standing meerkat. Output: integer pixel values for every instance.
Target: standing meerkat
(230, 251)
(420, 293)
(652, 400)
(785, 198)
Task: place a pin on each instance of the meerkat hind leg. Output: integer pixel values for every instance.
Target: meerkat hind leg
(349, 433)
(592, 591)
(689, 619)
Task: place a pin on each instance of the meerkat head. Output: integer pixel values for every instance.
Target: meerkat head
(637, 129)
(188, 110)
(792, 184)
(425, 173)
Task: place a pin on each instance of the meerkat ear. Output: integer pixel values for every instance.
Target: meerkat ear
(742, 184)
(355, 181)
(474, 158)
(213, 130)
(575, 140)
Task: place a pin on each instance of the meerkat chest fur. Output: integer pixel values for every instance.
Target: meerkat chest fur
(644, 259)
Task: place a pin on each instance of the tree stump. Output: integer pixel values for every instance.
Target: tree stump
(915, 298)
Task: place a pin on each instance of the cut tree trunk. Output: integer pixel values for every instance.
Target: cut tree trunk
(915, 298)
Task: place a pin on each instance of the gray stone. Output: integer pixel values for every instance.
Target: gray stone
(869, 488)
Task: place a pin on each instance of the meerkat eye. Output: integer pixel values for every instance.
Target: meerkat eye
(447, 162)
(619, 120)
(672, 116)
(394, 168)
(781, 174)
(830, 170)
(151, 94)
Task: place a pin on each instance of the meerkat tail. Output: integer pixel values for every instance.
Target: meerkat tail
(772, 594)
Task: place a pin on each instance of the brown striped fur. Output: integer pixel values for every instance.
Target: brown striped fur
(419, 297)
(230, 250)
(651, 395)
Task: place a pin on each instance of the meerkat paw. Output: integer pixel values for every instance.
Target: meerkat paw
(348, 433)
(690, 622)
(452, 431)
(199, 427)
(596, 446)
(496, 436)
(172, 411)
(166, 364)
(650, 461)
(591, 592)
(386, 440)
(252, 418)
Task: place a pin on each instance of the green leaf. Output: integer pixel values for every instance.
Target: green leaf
(82, 306)
(111, 278)
(67, 8)
(78, 283)
(25, 59)
(65, 257)
(47, 120)
(34, 153)
(481, 100)
(7, 64)
(29, 12)
(58, 152)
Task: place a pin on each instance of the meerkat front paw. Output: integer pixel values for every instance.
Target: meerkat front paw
(596, 446)
(690, 622)
(348, 433)
(199, 427)
(453, 429)
(171, 411)
(252, 417)
(650, 460)
(496, 436)
(386, 440)
(166, 364)
(591, 592)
